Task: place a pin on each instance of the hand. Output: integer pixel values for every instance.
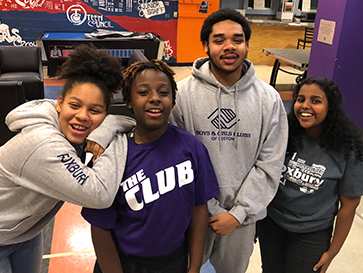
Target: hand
(324, 262)
(94, 148)
(223, 223)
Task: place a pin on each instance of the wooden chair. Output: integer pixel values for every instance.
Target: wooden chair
(307, 40)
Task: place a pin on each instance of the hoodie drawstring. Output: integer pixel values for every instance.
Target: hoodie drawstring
(219, 117)
(237, 117)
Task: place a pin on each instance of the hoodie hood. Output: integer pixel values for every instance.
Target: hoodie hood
(201, 70)
(33, 113)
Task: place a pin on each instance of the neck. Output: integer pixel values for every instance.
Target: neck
(315, 131)
(143, 135)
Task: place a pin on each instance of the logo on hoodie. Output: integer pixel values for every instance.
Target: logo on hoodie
(72, 166)
(226, 119)
(223, 120)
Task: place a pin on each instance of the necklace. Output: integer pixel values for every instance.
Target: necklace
(132, 134)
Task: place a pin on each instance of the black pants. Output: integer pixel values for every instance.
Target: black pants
(288, 252)
(176, 262)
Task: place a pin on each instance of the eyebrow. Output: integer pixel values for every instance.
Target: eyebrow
(316, 97)
(312, 97)
(147, 84)
(93, 105)
(222, 35)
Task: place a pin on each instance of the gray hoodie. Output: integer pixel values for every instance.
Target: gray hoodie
(39, 169)
(245, 130)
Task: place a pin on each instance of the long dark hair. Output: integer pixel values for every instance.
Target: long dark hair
(339, 132)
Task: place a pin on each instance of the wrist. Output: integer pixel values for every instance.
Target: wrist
(332, 252)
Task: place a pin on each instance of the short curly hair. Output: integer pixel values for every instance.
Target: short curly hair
(223, 15)
(87, 64)
(136, 68)
(339, 131)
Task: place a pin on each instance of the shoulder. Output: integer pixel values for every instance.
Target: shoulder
(186, 82)
(34, 147)
(266, 89)
(184, 136)
(180, 133)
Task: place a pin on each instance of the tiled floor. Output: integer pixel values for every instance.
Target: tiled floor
(70, 240)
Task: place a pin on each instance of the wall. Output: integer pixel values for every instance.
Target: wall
(341, 61)
(22, 21)
(191, 17)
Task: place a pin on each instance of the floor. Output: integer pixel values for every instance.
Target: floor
(67, 240)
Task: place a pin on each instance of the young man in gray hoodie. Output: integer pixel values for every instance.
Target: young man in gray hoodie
(242, 122)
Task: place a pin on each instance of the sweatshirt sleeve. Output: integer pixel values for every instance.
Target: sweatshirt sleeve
(112, 124)
(261, 183)
(176, 115)
(52, 168)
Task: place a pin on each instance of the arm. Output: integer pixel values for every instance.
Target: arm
(261, 183)
(223, 223)
(106, 251)
(112, 124)
(197, 233)
(343, 224)
(63, 176)
(43, 161)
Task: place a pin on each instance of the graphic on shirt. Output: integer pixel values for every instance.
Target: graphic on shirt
(227, 120)
(227, 116)
(307, 177)
(166, 182)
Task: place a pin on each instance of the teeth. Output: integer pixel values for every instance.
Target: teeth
(154, 110)
(306, 114)
(78, 127)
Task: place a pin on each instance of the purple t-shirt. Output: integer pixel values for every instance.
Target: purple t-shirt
(162, 183)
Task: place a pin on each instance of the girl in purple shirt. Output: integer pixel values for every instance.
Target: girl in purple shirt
(159, 217)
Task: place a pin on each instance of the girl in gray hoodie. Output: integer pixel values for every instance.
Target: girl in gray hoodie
(40, 167)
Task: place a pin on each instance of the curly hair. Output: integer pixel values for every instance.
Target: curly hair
(223, 15)
(136, 68)
(339, 131)
(87, 64)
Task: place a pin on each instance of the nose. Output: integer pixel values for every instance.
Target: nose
(82, 114)
(306, 104)
(154, 97)
(230, 45)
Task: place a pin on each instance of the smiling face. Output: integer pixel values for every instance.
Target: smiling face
(151, 101)
(81, 111)
(311, 109)
(226, 48)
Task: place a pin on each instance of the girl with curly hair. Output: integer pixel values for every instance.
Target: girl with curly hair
(322, 181)
(41, 168)
(158, 222)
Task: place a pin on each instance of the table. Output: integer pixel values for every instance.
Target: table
(57, 46)
(299, 58)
